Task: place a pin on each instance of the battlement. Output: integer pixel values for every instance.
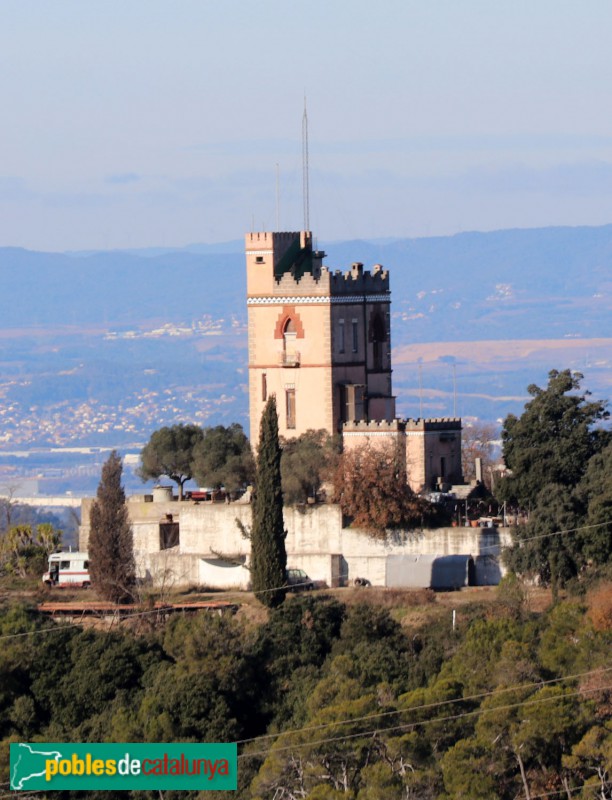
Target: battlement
(358, 281)
(284, 263)
(266, 240)
(336, 284)
(433, 424)
(307, 284)
(400, 425)
(374, 426)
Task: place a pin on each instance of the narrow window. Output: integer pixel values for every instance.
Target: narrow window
(378, 336)
(289, 333)
(290, 357)
(442, 467)
(264, 386)
(290, 407)
(355, 336)
(341, 336)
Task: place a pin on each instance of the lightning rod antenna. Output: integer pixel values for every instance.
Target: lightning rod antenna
(305, 168)
(277, 199)
(420, 390)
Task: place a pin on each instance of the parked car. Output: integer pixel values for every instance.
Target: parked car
(298, 581)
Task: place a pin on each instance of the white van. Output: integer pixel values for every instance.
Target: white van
(68, 569)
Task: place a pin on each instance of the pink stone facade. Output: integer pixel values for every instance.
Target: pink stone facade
(320, 341)
(432, 447)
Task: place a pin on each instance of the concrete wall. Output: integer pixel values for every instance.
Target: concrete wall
(314, 536)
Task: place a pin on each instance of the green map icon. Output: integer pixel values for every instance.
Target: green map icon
(28, 763)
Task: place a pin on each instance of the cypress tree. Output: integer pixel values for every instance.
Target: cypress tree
(268, 554)
(111, 554)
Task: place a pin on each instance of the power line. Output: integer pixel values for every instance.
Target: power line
(404, 726)
(567, 790)
(560, 533)
(429, 706)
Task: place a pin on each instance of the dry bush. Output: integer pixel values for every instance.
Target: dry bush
(370, 486)
(391, 598)
(600, 607)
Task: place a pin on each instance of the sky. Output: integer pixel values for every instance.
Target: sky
(135, 123)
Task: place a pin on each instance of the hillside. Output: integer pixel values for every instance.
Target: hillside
(354, 695)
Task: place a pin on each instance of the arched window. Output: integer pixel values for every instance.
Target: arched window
(289, 334)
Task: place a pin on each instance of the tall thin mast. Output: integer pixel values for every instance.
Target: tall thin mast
(277, 199)
(305, 169)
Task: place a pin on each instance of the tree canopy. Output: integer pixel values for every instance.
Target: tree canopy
(553, 439)
(560, 459)
(268, 554)
(306, 462)
(223, 457)
(169, 452)
(110, 547)
(25, 549)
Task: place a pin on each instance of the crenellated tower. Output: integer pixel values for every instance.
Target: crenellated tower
(319, 340)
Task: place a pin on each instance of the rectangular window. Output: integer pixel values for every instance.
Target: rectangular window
(168, 535)
(290, 407)
(341, 336)
(352, 400)
(264, 386)
(442, 467)
(355, 336)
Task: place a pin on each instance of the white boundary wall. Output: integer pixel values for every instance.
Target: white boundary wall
(314, 536)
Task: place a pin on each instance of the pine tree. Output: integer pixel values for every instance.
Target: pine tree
(169, 452)
(111, 553)
(268, 554)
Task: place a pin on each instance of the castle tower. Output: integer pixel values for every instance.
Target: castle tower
(320, 341)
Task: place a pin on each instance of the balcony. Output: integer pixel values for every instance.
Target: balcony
(289, 359)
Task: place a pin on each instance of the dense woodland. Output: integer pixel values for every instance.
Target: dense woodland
(382, 695)
(333, 700)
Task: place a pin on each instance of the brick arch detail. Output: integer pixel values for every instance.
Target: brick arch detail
(288, 313)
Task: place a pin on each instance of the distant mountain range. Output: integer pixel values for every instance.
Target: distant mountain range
(540, 283)
(101, 348)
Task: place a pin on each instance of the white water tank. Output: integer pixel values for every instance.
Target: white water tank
(162, 494)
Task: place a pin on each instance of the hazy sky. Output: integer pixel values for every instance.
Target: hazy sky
(130, 123)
